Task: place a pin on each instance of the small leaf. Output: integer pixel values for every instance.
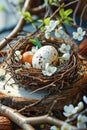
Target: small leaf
(2, 77)
(38, 42)
(54, 4)
(42, 28)
(46, 21)
(40, 20)
(69, 18)
(32, 41)
(67, 22)
(2, 8)
(68, 12)
(27, 16)
(61, 12)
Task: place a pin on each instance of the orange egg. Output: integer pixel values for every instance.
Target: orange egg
(27, 57)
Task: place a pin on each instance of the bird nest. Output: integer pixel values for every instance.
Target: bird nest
(66, 75)
(61, 85)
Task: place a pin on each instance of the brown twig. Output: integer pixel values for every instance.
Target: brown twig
(82, 14)
(17, 29)
(74, 14)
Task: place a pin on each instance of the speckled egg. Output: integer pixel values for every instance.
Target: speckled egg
(46, 54)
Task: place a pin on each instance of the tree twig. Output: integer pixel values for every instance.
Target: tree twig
(74, 14)
(82, 14)
(17, 29)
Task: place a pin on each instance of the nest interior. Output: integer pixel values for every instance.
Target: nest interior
(61, 86)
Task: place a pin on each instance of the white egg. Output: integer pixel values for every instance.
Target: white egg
(46, 54)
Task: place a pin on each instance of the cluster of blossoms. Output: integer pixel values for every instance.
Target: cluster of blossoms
(65, 50)
(54, 26)
(70, 111)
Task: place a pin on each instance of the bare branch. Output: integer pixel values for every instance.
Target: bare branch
(17, 29)
(24, 122)
(74, 14)
(81, 17)
(15, 117)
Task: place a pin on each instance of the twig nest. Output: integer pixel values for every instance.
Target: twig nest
(51, 66)
(46, 54)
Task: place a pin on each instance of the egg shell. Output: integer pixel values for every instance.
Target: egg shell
(46, 54)
(27, 57)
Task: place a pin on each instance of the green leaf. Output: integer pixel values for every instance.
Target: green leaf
(68, 12)
(61, 13)
(50, 2)
(46, 21)
(36, 42)
(27, 16)
(40, 20)
(54, 4)
(2, 8)
(67, 22)
(69, 18)
(42, 28)
(32, 41)
(2, 77)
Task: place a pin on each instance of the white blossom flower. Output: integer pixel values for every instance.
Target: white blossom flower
(49, 70)
(80, 106)
(27, 65)
(59, 33)
(66, 126)
(53, 128)
(51, 26)
(69, 110)
(34, 49)
(81, 121)
(66, 56)
(85, 99)
(47, 35)
(79, 34)
(64, 48)
(17, 55)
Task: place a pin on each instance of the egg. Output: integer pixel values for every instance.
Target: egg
(27, 57)
(46, 54)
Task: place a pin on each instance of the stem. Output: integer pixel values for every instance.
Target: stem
(82, 14)
(74, 14)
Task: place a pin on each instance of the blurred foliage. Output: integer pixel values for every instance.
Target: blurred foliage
(2, 8)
